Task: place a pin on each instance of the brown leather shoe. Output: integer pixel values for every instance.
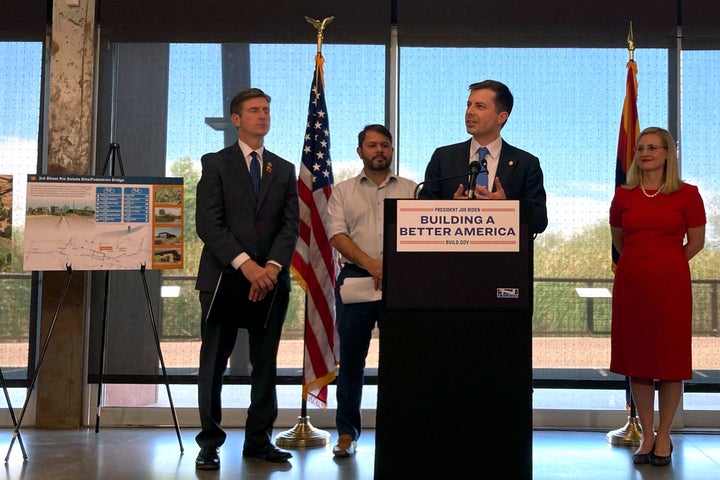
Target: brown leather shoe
(345, 447)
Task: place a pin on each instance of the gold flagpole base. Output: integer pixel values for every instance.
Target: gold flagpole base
(303, 434)
(628, 436)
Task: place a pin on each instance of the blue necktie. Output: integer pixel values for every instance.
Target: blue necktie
(255, 171)
(482, 178)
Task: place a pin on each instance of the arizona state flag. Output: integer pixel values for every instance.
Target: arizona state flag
(629, 130)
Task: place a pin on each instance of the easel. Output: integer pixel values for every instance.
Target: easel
(112, 156)
(12, 414)
(16, 432)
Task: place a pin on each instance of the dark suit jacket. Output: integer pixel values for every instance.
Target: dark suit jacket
(230, 220)
(519, 171)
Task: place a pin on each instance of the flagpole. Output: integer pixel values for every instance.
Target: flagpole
(631, 434)
(304, 434)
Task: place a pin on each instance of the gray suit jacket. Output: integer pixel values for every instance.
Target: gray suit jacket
(230, 219)
(519, 171)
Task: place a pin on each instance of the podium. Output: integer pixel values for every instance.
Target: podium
(455, 364)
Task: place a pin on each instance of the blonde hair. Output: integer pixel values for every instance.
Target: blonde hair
(671, 173)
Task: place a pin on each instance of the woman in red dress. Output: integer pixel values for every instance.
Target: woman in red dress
(657, 223)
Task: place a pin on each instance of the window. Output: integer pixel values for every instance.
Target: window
(20, 106)
(201, 80)
(568, 87)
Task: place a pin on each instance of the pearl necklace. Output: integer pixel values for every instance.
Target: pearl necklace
(654, 194)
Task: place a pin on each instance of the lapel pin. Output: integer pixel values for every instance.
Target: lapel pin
(268, 167)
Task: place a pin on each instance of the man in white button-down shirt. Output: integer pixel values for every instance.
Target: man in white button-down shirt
(355, 228)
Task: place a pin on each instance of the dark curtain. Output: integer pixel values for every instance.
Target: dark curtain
(24, 20)
(557, 23)
(243, 21)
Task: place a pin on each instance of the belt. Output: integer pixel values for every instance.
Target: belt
(355, 268)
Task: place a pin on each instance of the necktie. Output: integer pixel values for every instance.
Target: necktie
(482, 178)
(255, 171)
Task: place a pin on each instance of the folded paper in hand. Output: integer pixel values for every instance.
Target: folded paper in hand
(359, 289)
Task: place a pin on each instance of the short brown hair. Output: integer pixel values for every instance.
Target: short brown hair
(374, 127)
(503, 97)
(244, 95)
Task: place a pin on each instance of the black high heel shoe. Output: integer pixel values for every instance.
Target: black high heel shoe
(660, 461)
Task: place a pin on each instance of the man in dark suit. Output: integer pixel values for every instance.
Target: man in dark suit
(249, 239)
(514, 174)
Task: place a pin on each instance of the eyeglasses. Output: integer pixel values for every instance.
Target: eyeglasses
(651, 148)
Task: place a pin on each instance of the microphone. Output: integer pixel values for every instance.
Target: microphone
(473, 166)
(482, 177)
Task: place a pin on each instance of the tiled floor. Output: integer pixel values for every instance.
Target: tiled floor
(154, 453)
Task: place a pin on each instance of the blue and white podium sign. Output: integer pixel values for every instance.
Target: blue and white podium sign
(458, 226)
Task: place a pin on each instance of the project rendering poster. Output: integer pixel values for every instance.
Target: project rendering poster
(103, 223)
(6, 211)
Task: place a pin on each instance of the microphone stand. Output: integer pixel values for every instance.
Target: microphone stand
(473, 165)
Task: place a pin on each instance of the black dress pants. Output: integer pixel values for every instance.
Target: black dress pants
(218, 341)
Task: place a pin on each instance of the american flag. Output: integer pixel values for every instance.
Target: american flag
(315, 263)
(629, 130)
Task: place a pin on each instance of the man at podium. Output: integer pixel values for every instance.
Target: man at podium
(486, 167)
(356, 212)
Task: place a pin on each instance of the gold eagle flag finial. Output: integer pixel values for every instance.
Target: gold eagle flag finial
(631, 43)
(319, 26)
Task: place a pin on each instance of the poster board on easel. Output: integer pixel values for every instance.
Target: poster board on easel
(103, 223)
(82, 222)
